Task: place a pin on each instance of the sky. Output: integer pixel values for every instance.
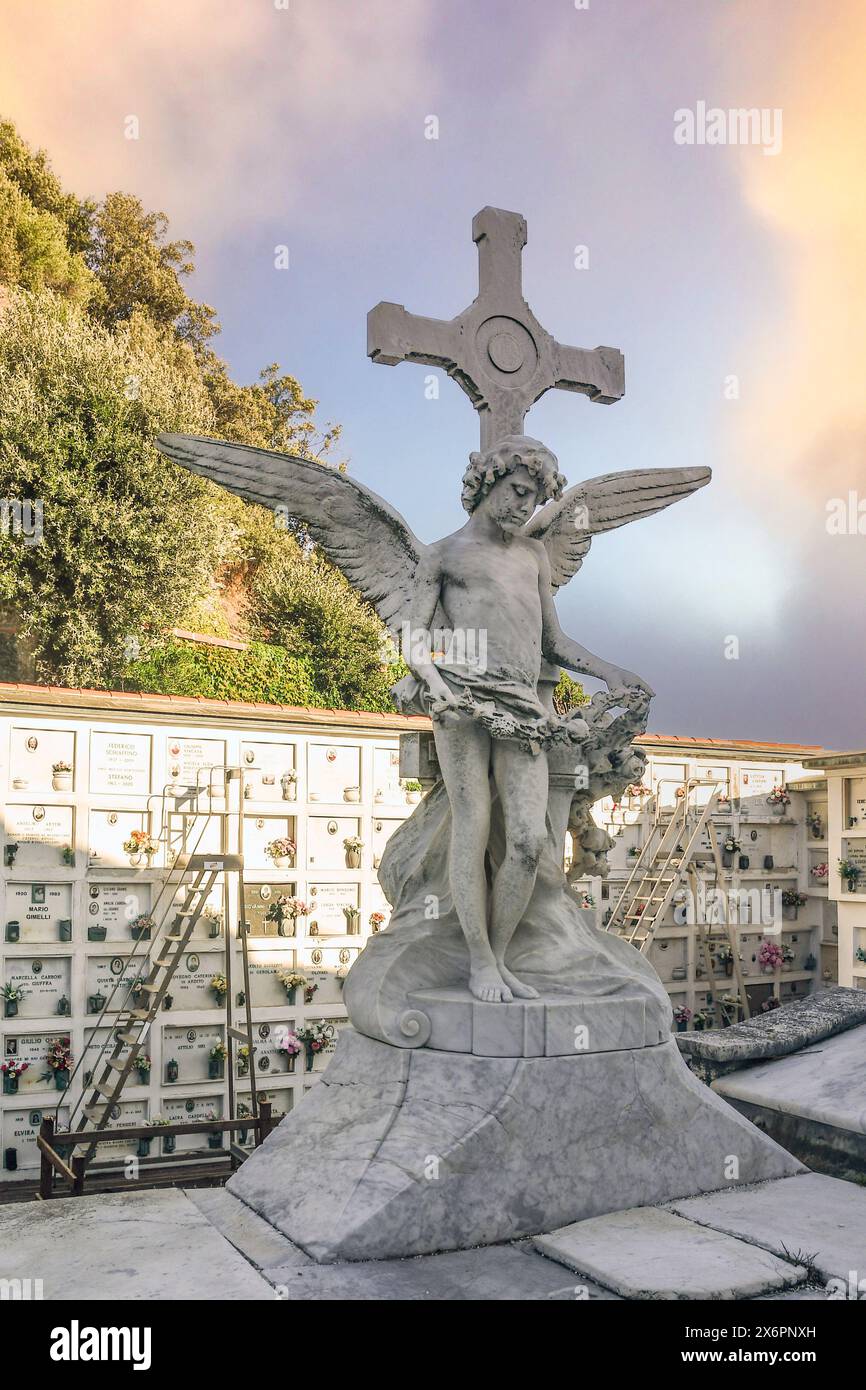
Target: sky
(731, 275)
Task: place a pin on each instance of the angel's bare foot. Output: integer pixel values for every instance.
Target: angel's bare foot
(517, 987)
(487, 984)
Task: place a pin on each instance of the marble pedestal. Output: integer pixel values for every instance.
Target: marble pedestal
(407, 1152)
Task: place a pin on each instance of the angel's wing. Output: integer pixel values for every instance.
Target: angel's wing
(364, 537)
(567, 527)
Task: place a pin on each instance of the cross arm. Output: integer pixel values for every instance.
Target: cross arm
(394, 335)
(596, 372)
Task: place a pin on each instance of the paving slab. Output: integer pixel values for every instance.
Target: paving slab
(822, 1218)
(825, 1083)
(255, 1238)
(651, 1253)
(125, 1245)
(492, 1273)
(799, 1024)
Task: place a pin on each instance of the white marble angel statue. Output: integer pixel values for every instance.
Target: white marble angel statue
(483, 845)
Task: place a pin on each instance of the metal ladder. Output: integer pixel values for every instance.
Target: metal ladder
(661, 867)
(195, 873)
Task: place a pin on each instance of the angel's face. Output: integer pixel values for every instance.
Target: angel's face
(512, 500)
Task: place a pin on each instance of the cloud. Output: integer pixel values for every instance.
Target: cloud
(241, 106)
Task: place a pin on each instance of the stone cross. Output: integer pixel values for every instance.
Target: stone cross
(496, 350)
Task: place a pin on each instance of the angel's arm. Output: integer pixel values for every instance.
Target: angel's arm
(418, 651)
(558, 647)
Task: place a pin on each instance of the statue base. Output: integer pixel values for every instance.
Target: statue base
(399, 1152)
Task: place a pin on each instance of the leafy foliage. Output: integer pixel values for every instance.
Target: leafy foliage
(261, 674)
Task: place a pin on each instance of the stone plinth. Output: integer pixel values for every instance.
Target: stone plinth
(406, 1152)
(553, 1026)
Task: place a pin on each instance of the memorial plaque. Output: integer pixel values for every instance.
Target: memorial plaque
(108, 830)
(190, 1048)
(259, 900)
(38, 908)
(755, 785)
(666, 777)
(267, 764)
(32, 755)
(326, 902)
(855, 803)
(189, 1109)
(32, 1048)
(327, 967)
(382, 832)
(20, 1128)
(120, 763)
(124, 1113)
(854, 850)
(266, 991)
(97, 1039)
(332, 768)
(40, 832)
(190, 984)
(112, 906)
(269, 1061)
(258, 832)
(186, 758)
(712, 772)
(387, 790)
(45, 980)
(325, 836)
(104, 974)
(202, 835)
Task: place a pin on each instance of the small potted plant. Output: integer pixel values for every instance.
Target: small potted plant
(778, 799)
(219, 987)
(96, 1003)
(171, 1070)
(351, 793)
(215, 1138)
(821, 872)
(315, 1038)
(13, 932)
(681, 1017)
(141, 927)
(412, 789)
(376, 919)
(243, 1060)
(788, 957)
(142, 1066)
(167, 1001)
(61, 777)
(59, 1058)
(217, 1062)
(289, 784)
(284, 911)
(12, 996)
(770, 957)
(725, 957)
(309, 990)
(633, 852)
(64, 1007)
(291, 982)
(815, 825)
(12, 1070)
(699, 1022)
(214, 921)
(849, 873)
(792, 901)
(730, 848)
(281, 851)
(353, 846)
(67, 855)
(289, 1048)
(140, 846)
(353, 920)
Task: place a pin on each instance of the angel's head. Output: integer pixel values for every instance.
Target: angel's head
(512, 478)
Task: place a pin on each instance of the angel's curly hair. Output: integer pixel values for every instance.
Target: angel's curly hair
(512, 452)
